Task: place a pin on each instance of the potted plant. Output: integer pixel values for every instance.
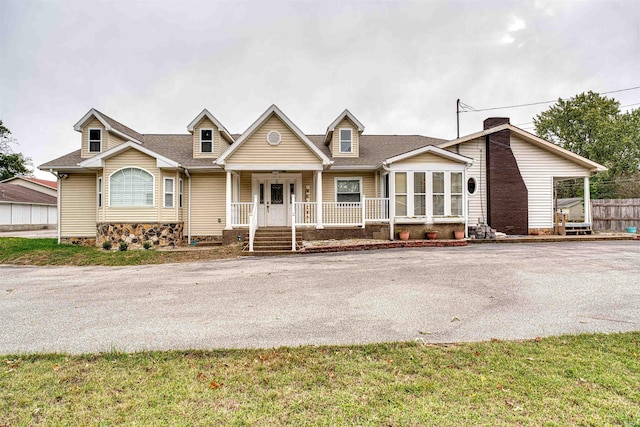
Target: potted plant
(403, 233)
(431, 234)
(458, 234)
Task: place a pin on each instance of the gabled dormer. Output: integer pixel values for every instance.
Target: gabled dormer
(343, 135)
(101, 133)
(210, 137)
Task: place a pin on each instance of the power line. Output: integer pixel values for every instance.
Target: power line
(469, 109)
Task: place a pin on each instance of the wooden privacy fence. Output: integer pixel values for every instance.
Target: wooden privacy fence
(615, 214)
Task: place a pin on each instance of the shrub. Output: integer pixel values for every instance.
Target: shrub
(124, 246)
(147, 245)
(106, 245)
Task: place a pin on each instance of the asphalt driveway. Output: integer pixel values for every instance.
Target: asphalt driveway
(479, 292)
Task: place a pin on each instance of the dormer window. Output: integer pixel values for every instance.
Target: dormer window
(206, 140)
(346, 140)
(95, 140)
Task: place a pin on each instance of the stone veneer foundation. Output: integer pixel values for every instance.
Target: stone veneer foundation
(135, 234)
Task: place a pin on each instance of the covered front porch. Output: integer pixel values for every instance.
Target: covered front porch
(294, 199)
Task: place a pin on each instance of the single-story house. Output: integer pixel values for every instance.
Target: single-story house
(42, 185)
(211, 184)
(23, 208)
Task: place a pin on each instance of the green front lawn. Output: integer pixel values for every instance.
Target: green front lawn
(21, 251)
(569, 380)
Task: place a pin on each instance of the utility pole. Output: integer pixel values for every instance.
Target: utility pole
(458, 117)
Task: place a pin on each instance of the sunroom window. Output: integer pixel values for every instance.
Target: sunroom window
(401, 194)
(348, 190)
(438, 193)
(131, 187)
(456, 193)
(419, 194)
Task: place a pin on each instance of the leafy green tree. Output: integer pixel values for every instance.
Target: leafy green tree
(592, 126)
(11, 164)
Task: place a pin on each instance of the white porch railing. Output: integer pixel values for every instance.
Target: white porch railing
(376, 209)
(293, 223)
(253, 222)
(333, 213)
(240, 212)
(342, 213)
(305, 213)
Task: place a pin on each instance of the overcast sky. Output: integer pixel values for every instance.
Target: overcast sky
(399, 66)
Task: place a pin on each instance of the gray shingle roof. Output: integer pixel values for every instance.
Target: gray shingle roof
(374, 149)
(20, 194)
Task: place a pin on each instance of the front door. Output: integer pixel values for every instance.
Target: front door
(276, 206)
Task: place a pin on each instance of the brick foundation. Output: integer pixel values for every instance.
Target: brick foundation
(135, 234)
(418, 231)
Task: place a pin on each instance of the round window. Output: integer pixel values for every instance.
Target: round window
(274, 137)
(472, 186)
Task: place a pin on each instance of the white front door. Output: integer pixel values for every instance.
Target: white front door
(274, 197)
(276, 201)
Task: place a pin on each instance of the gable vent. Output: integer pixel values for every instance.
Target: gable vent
(274, 137)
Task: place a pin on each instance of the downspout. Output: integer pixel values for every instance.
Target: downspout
(186, 171)
(58, 199)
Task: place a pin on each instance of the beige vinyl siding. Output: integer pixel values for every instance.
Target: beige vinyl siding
(220, 144)
(126, 159)
(335, 140)
(256, 149)
(78, 206)
(113, 141)
(477, 203)
(329, 184)
(246, 187)
(426, 158)
(538, 167)
(208, 204)
(94, 124)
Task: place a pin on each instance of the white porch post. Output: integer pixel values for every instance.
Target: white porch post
(587, 200)
(319, 200)
(228, 205)
(392, 204)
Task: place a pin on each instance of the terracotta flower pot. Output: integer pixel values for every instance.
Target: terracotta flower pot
(404, 235)
(432, 235)
(458, 234)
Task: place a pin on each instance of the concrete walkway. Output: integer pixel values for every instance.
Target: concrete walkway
(477, 292)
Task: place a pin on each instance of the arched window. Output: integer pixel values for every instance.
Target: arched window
(131, 187)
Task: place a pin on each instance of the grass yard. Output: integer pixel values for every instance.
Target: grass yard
(21, 251)
(569, 380)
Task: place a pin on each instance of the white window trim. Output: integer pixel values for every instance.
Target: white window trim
(171, 191)
(180, 192)
(100, 195)
(212, 141)
(153, 177)
(346, 178)
(89, 139)
(406, 193)
(340, 140)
